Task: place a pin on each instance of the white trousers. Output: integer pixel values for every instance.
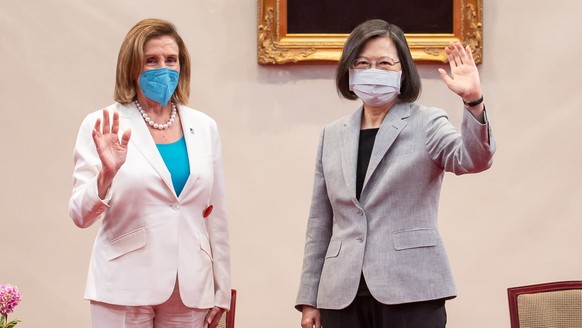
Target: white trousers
(170, 314)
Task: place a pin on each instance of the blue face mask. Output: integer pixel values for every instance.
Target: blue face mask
(159, 84)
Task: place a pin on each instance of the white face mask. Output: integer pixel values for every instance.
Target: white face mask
(376, 87)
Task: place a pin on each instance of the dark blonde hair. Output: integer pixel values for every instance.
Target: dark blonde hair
(374, 28)
(131, 58)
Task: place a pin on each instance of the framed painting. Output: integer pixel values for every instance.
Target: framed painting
(294, 31)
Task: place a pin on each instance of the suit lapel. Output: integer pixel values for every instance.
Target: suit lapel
(142, 139)
(349, 149)
(193, 131)
(389, 130)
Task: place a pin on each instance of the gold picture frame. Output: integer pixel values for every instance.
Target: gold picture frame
(276, 46)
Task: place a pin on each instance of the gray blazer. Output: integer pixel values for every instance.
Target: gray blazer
(391, 233)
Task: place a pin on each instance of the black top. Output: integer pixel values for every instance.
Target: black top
(367, 138)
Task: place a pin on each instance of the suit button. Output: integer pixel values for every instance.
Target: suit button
(176, 206)
(360, 211)
(360, 239)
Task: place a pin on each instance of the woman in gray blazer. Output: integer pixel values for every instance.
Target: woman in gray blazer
(373, 253)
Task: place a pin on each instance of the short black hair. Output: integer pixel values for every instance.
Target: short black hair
(370, 29)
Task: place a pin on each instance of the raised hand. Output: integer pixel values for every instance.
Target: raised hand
(112, 151)
(464, 78)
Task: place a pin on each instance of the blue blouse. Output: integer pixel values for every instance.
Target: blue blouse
(175, 156)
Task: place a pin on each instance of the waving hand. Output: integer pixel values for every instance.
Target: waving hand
(464, 77)
(111, 150)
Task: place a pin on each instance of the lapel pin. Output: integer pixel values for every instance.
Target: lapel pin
(207, 211)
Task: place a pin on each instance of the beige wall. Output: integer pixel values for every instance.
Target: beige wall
(518, 223)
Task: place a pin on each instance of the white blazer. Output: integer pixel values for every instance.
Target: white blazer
(148, 235)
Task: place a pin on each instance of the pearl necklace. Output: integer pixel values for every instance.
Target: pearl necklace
(149, 121)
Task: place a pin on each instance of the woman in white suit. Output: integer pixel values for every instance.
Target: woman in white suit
(161, 256)
(373, 254)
